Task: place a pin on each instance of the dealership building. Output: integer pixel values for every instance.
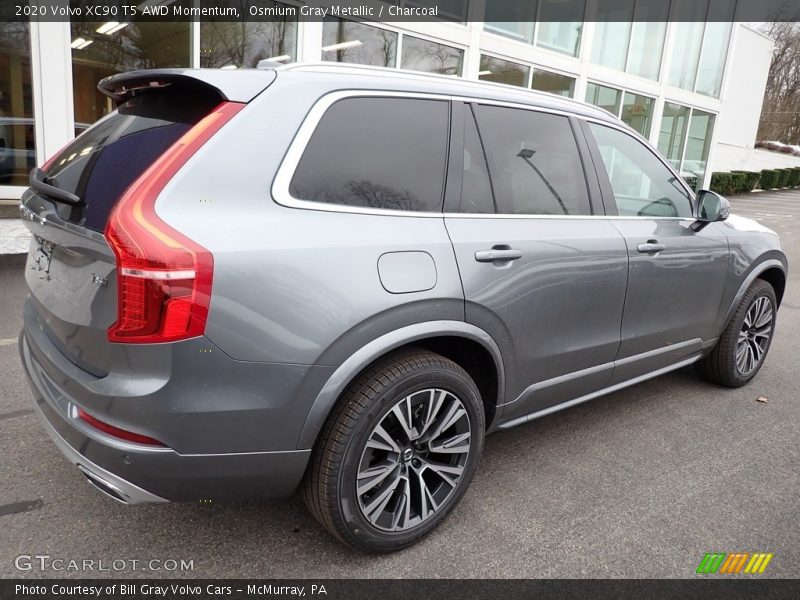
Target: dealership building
(680, 72)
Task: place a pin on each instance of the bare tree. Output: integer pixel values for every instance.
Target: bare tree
(780, 115)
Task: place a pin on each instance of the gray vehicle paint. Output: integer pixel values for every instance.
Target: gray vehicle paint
(306, 296)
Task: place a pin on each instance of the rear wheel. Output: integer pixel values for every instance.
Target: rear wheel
(743, 345)
(397, 453)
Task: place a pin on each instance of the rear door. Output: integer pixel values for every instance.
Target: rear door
(71, 269)
(677, 274)
(542, 273)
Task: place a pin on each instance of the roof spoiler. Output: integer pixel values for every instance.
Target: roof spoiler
(233, 85)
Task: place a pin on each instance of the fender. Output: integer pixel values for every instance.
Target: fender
(350, 368)
(757, 270)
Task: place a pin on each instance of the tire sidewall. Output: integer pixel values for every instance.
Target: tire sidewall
(357, 524)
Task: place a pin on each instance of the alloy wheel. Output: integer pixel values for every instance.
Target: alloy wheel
(413, 460)
(754, 336)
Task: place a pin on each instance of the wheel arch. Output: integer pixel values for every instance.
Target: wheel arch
(465, 344)
(771, 270)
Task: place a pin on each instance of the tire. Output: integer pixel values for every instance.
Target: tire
(412, 382)
(725, 364)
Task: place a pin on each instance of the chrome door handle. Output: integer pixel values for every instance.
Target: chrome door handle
(650, 247)
(498, 255)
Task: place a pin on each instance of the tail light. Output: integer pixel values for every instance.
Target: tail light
(163, 277)
(122, 434)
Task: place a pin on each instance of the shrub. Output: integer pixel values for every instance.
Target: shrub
(738, 182)
(720, 182)
(750, 180)
(783, 178)
(794, 178)
(767, 180)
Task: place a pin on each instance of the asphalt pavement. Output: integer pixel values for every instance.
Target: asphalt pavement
(640, 483)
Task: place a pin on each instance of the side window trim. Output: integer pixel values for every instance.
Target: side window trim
(455, 164)
(605, 182)
(606, 191)
(469, 113)
(589, 168)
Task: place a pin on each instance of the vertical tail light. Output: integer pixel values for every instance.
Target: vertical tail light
(163, 277)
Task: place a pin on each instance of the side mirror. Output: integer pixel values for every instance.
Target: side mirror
(711, 207)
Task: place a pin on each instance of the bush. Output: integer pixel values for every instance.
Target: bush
(720, 182)
(783, 178)
(794, 177)
(750, 180)
(738, 182)
(768, 179)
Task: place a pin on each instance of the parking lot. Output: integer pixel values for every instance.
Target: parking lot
(641, 483)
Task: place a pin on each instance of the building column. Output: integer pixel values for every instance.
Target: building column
(51, 78)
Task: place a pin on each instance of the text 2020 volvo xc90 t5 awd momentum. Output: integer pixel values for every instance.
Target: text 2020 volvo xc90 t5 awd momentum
(343, 278)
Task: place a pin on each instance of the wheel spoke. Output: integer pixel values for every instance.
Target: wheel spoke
(456, 444)
(435, 403)
(374, 509)
(381, 440)
(453, 414)
(374, 476)
(448, 473)
(402, 413)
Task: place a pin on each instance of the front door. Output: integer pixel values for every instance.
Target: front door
(676, 275)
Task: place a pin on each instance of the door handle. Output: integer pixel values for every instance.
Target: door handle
(650, 247)
(498, 254)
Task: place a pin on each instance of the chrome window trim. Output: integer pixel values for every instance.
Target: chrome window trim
(280, 185)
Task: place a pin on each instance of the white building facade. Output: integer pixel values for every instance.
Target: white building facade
(694, 88)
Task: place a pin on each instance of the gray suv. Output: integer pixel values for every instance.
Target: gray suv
(342, 278)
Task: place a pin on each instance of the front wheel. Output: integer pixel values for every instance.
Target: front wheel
(743, 345)
(397, 453)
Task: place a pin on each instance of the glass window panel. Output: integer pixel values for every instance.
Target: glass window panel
(136, 46)
(715, 48)
(244, 44)
(348, 41)
(378, 153)
(522, 25)
(688, 32)
(560, 25)
(423, 55)
(642, 185)
(607, 98)
(533, 159)
(637, 112)
(612, 33)
(554, 83)
(673, 132)
(503, 71)
(17, 141)
(701, 127)
(647, 38)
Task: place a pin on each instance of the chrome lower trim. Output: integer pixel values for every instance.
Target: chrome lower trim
(128, 492)
(607, 390)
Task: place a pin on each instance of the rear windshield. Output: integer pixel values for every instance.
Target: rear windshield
(100, 164)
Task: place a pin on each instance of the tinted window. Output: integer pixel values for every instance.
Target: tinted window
(642, 185)
(534, 161)
(99, 165)
(476, 191)
(377, 153)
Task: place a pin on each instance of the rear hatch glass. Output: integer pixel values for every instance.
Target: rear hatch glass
(100, 164)
(71, 270)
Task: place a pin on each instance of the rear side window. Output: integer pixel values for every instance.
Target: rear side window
(534, 162)
(386, 153)
(100, 164)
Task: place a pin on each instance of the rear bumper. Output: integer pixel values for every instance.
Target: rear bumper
(135, 473)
